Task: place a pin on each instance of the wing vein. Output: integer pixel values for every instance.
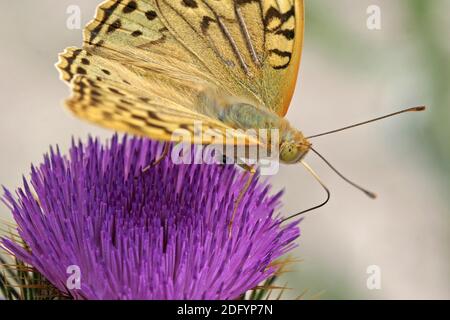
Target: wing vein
(248, 40)
(230, 38)
(210, 43)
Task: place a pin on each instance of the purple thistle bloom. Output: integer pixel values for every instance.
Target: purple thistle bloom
(162, 234)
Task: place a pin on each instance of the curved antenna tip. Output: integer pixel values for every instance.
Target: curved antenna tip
(370, 194)
(419, 108)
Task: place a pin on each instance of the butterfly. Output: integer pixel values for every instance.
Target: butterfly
(152, 67)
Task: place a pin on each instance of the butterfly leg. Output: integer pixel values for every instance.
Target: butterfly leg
(251, 170)
(157, 161)
(224, 160)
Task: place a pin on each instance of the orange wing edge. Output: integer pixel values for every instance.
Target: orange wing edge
(297, 54)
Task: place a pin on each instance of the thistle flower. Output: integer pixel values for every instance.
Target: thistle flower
(158, 234)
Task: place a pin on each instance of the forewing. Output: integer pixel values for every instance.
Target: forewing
(129, 77)
(163, 55)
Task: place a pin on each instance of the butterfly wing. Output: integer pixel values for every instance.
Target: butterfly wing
(107, 93)
(144, 84)
(253, 47)
(155, 50)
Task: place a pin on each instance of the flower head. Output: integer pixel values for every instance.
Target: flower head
(158, 234)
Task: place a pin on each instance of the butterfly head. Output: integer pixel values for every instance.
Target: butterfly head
(294, 148)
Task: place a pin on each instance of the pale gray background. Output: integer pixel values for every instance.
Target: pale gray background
(348, 74)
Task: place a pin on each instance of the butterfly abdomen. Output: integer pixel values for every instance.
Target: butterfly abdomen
(247, 116)
(237, 113)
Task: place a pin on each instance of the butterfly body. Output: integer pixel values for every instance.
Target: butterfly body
(239, 114)
(292, 144)
(152, 67)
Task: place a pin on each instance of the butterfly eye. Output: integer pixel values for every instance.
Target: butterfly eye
(290, 153)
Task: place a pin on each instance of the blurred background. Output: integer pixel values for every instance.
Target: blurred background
(349, 73)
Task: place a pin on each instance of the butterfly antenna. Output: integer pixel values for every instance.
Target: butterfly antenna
(413, 109)
(314, 174)
(370, 194)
